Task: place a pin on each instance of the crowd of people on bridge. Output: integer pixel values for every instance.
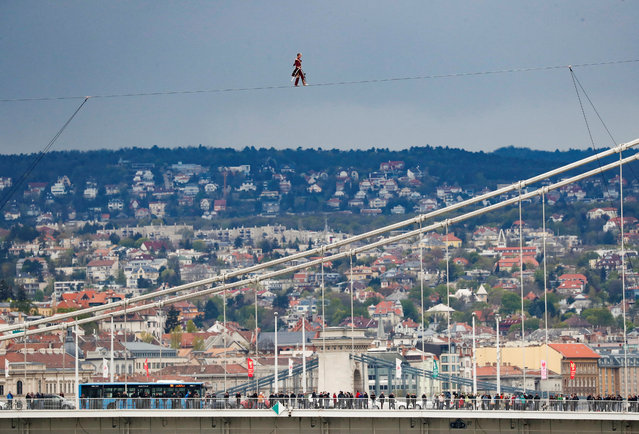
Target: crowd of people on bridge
(358, 400)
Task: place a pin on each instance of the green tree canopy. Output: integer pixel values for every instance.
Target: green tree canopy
(172, 320)
(598, 316)
(510, 303)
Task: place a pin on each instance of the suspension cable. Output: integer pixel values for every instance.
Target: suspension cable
(23, 177)
(326, 84)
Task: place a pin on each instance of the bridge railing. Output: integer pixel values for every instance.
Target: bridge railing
(268, 380)
(333, 403)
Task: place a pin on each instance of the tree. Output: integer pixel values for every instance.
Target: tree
(39, 295)
(199, 246)
(537, 308)
(281, 301)
(600, 317)
(121, 279)
(24, 306)
(211, 309)
(32, 267)
(172, 320)
(510, 303)
(147, 337)
(198, 344)
(191, 327)
(410, 311)
(144, 283)
(5, 290)
(531, 324)
(176, 337)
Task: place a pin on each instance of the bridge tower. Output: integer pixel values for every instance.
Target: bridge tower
(336, 369)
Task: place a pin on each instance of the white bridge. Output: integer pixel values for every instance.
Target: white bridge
(314, 421)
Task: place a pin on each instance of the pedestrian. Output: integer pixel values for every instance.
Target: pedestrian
(297, 72)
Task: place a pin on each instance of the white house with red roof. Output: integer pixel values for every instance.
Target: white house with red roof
(614, 224)
(572, 284)
(597, 213)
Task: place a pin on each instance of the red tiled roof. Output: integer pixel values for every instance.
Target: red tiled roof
(505, 371)
(575, 351)
(579, 277)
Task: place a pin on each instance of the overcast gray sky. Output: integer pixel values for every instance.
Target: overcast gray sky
(67, 48)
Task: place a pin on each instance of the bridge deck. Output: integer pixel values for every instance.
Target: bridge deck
(300, 413)
(314, 421)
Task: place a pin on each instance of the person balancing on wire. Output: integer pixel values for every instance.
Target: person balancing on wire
(297, 72)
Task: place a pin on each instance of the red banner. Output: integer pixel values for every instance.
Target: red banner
(251, 367)
(146, 367)
(573, 370)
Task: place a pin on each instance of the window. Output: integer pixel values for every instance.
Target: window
(19, 388)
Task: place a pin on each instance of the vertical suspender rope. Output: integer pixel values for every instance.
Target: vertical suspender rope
(421, 285)
(257, 384)
(77, 375)
(304, 354)
(623, 284)
(276, 374)
(126, 368)
(24, 386)
(64, 363)
(521, 283)
(112, 361)
(352, 317)
(543, 226)
(448, 304)
(160, 338)
(225, 331)
(323, 319)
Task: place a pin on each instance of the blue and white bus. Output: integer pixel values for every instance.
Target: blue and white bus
(160, 395)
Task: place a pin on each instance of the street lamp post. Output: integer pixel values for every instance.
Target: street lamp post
(304, 356)
(498, 320)
(276, 379)
(474, 361)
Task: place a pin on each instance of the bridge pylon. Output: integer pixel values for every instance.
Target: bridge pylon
(337, 370)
